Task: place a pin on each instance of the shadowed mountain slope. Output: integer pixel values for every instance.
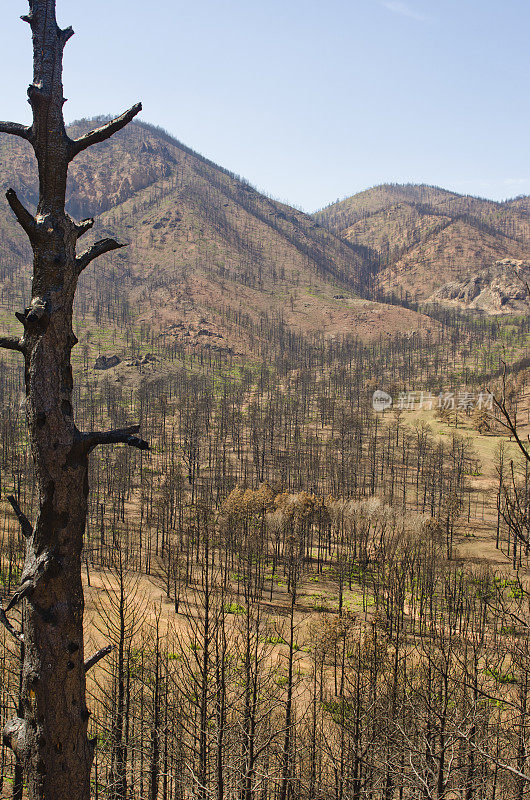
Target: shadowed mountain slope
(205, 248)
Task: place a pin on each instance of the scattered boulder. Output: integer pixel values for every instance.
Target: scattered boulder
(149, 358)
(107, 362)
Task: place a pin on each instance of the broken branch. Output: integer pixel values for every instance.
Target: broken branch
(25, 524)
(20, 594)
(14, 736)
(15, 129)
(34, 571)
(7, 625)
(84, 226)
(96, 658)
(65, 34)
(25, 219)
(10, 343)
(122, 436)
(510, 424)
(105, 132)
(97, 249)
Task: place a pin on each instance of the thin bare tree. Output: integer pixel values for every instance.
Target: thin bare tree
(51, 736)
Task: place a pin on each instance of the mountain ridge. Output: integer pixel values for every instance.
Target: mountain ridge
(424, 236)
(204, 245)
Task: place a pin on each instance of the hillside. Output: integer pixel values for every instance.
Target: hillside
(285, 552)
(209, 256)
(424, 237)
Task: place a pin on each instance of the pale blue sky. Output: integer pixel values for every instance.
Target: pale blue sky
(309, 100)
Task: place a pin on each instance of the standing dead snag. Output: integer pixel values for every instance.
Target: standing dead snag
(51, 737)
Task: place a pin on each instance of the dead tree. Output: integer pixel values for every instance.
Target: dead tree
(51, 735)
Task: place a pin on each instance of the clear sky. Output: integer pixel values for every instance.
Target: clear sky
(311, 100)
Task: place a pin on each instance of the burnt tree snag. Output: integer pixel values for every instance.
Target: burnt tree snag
(50, 736)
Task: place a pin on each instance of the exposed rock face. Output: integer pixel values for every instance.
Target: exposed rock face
(200, 333)
(149, 358)
(499, 289)
(104, 362)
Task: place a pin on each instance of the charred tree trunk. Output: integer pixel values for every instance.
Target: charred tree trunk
(51, 735)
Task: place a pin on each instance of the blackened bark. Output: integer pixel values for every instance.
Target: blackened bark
(50, 734)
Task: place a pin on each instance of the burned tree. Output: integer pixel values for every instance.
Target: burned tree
(50, 737)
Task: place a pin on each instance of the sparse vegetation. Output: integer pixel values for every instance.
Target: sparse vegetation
(298, 597)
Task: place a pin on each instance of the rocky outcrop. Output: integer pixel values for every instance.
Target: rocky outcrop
(107, 362)
(502, 288)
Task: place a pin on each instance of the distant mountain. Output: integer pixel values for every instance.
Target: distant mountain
(423, 237)
(209, 256)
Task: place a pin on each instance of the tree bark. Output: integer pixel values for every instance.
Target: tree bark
(51, 735)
